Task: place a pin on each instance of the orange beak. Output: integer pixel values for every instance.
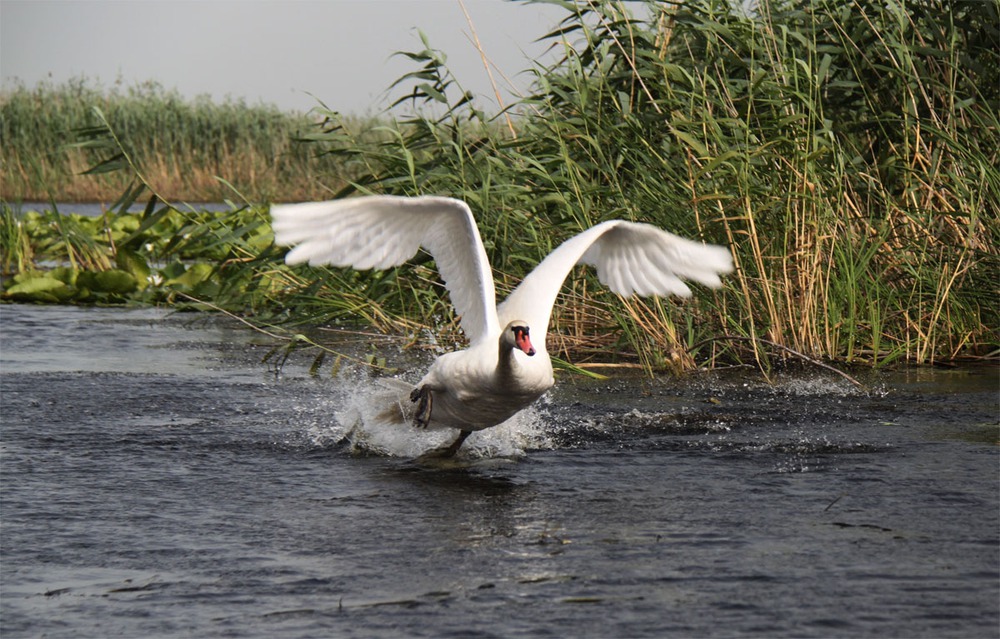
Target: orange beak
(524, 342)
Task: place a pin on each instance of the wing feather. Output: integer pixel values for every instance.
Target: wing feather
(383, 231)
(630, 258)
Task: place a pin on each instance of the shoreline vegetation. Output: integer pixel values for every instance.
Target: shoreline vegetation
(847, 151)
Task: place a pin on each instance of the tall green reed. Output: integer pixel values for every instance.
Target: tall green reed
(846, 151)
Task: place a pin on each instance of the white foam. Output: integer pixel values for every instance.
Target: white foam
(821, 385)
(364, 419)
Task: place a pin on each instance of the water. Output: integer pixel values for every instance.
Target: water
(96, 209)
(159, 480)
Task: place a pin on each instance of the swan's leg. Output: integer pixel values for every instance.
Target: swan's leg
(455, 445)
(435, 455)
(425, 404)
(445, 452)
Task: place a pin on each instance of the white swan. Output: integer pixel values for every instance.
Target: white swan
(506, 367)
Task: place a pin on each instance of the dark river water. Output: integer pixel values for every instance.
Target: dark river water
(159, 480)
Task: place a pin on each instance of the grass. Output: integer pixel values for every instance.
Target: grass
(183, 146)
(848, 152)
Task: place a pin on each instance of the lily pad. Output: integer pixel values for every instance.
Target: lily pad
(194, 274)
(133, 263)
(112, 281)
(42, 287)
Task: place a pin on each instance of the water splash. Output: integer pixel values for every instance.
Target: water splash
(374, 418)
(825, 386)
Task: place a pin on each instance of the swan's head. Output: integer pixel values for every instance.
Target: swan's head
(516, 336)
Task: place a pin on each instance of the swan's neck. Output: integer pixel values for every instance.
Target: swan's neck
(506, 362)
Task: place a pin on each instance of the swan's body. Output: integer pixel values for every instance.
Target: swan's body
(503, 370)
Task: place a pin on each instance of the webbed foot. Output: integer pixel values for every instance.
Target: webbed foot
(425, 403)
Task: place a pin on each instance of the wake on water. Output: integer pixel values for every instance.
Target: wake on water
(369, 416)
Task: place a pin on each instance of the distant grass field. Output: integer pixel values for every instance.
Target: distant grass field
(183, 146)
(848, 152)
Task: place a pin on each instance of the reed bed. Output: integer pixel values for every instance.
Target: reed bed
(183, 146)
(848, 152)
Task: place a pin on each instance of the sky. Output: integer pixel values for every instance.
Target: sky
(289, 53)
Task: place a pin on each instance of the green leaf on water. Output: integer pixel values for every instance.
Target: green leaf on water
(172, 271)
(64, 274)
(131, 262)
(40, 287)
(112, 281)
(194, 274)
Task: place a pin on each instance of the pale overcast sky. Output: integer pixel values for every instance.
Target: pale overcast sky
(271, 51)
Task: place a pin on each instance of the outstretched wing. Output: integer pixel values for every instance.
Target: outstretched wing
(382, 231)
(630, 258)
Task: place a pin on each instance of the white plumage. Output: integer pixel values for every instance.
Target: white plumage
(496, 376)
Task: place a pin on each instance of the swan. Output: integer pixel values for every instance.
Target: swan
(506, 366)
